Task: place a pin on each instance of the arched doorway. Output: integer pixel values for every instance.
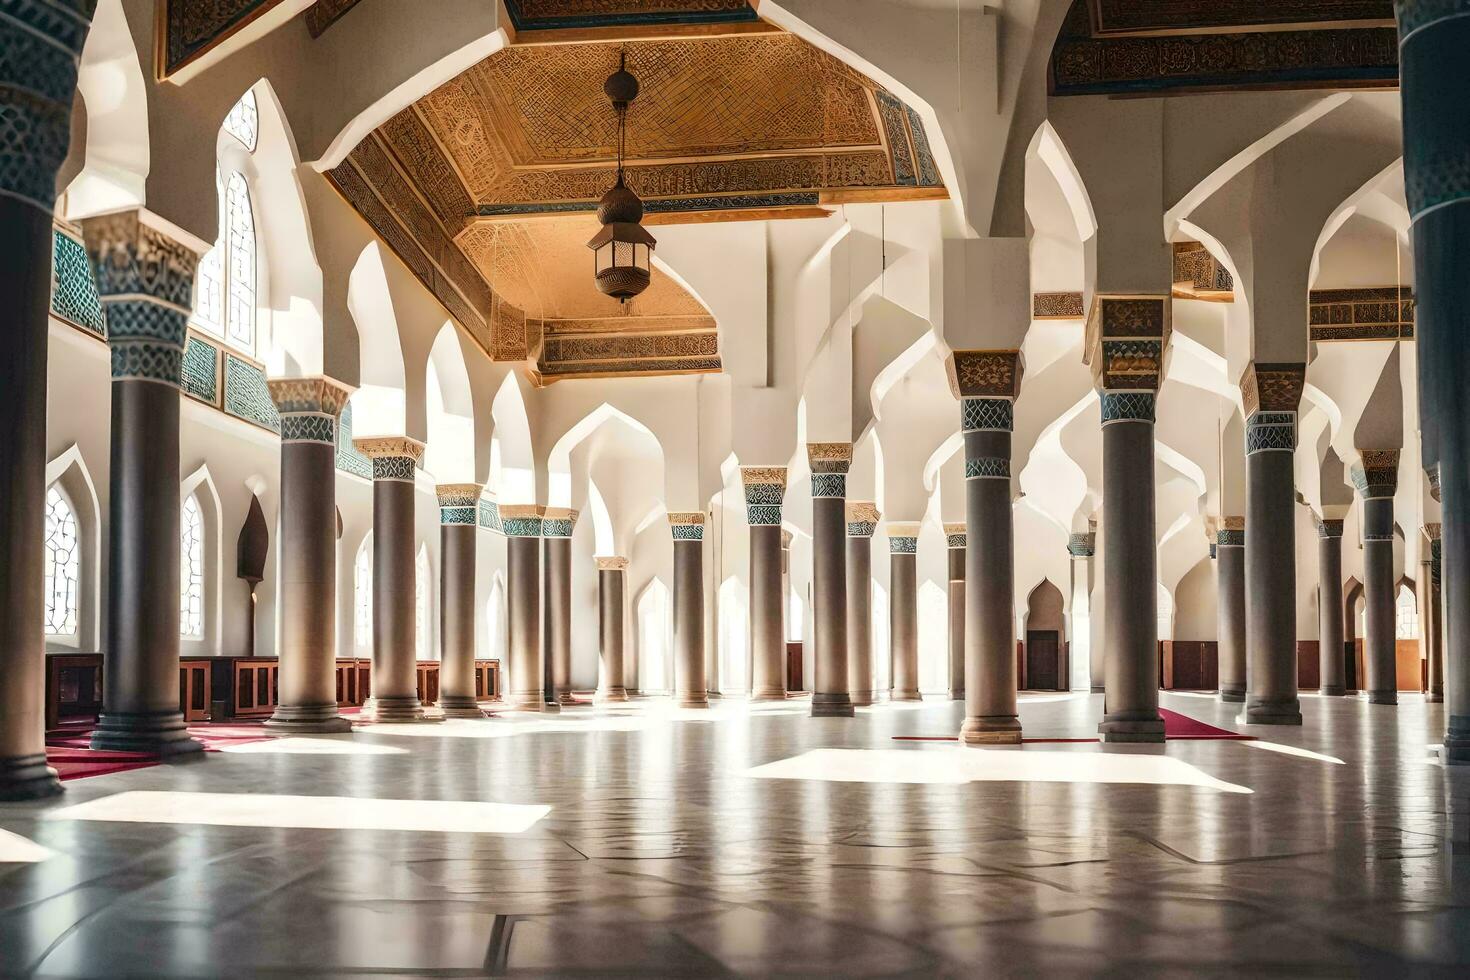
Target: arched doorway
(1352, 605)
(1045, 660)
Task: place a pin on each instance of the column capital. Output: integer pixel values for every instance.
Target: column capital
(144, 267)
(1375, 473)
(43, 41)
(1329, 527)
(1126, 338)
(459, 503)
(611, 563)
(394, 457)
(903, 537)
(520, 520)
(985, 373)
(862, 518)
(687, 525)
(829, 457)
(1230, 533)
(558, 522)
(765, 491)
(1271, 393)
(1432, 532)
(1082, 544)
(956, 535)
(309, 407)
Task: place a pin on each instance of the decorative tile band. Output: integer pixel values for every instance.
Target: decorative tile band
(1375, 474)
(556, 527)
(458, 494)
(309, 427)
(1267, 432)
(1378, 535)
(521, 527)
(765, 493)
(1082, 545)
(862, 518)
(490, 516)
(987, 415)
(611, 563)
(394, 457)
(1057, 306)
(1127, 406)
(395, 468)
(1230, 539)
(73, 290)
(450, 516)
(349, 460)
(248, 394)
(763, 515)
(988, 468)
(40, 46)
(1435, 564)
(985, 373)
(199, 371)
(903, 546)
(135, 361)
(829, 457)
(687, 525)
(861, 529)
(1329, 528)
(1374, 313)
(956, 540)
(829, 485)
(1272, 387)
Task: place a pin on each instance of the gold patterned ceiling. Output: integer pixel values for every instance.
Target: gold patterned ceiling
(486, 186)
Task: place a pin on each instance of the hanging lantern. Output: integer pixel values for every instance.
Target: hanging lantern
(623, 250)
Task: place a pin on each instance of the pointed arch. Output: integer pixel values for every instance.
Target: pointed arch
(68, 475)
(559, 466)
(512, 460)
(111, 82)
(496, 637)
(201, 564)
(449, 410)
(655, 638)
(379, 406)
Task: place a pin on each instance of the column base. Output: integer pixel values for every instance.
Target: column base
(700, 700)
(315, 719)
(864, 699)
(991, 730)
(1433, 698)
(1231, 695)
(1457, 742)
(460, 706)
(957, 695)
(1137, 726)
(905, 696)
(27, 777)
(1383, 697)
(394, 709)
(1332, 692)
(832, 705)
(769, 694)
(1271, 713)
(612, 695)
(525, 701)
(161, 733)
(566, 700)
(1099, 689)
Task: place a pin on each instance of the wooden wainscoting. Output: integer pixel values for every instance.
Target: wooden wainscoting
(73, 689)
(1189, 665)
(255, 692)
(1410, 674)
(1308, 665)
(194, 688)
(428, 682)
(487, 680)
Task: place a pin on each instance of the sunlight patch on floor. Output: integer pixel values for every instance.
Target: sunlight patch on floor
(956, 765)
(15, 849)
(306, 812)
(1294, 750)
(320, 745)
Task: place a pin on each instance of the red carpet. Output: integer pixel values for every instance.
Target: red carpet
(1177, 727)
(68, 750)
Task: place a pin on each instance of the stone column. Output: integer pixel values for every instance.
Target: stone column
(1271, 394)
(35, 141)
(1082, 546)
(522, 526)
(829, 462)
(395, 694)
(1434, 89)
(987, 383)
(1431, 616)
(954, 535)
(765, 490)
(557, 524)
(903, 613)
(1330, 649)
(1375, 476)
(1127, 355)
(612, 574)
(306, 556)
(862, 521)
(688, 531)
(459, 517)
(145, 278)
(1230, 609)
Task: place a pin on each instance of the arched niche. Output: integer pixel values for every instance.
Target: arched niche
(450, 411)
(512, 460)
(379, 406)
(654, 635)
(1045, 665)
(199, 487)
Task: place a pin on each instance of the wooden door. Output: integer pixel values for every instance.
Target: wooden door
(793, 666)
(1043, 657)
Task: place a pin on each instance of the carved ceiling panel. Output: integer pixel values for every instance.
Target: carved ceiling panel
(530, 15)
(1195, 16)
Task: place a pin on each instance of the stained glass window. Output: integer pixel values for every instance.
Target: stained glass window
(191, 570)
(63, 565)
(241, 268)
(209, 280)
(422, 605)
(362, 594)
(243, 122)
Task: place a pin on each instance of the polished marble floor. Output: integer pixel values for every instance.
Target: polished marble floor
(652, 841)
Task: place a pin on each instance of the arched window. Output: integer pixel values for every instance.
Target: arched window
(423, 606)
(191, 569)
(362, 594)
(224, 302)
(243, 122)
(1406, 615)
(63, 564)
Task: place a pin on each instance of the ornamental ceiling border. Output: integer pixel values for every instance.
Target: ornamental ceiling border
(187, 30)
(1125, 17)
(542, 15)
(1087, 62)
